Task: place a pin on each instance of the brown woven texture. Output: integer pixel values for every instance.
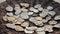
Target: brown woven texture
(44, 3)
